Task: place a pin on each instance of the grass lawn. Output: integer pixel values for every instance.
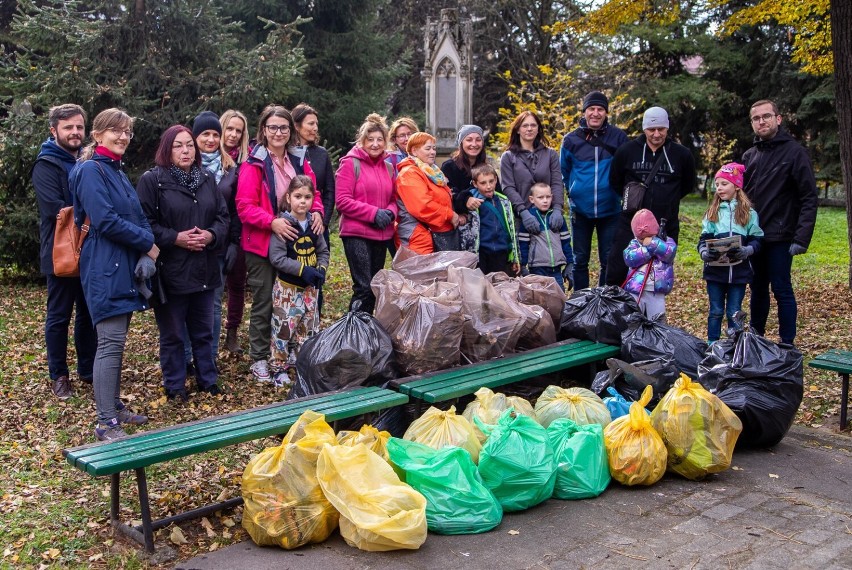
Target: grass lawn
(56, 515)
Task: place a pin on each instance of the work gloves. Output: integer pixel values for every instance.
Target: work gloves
(556, 221)
(706, 254)
(530, 223)
(383, 219)
(740, 253)
(568, 276)
(796, 249)
(145, 268)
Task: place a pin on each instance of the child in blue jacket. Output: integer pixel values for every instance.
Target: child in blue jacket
(650, 258)
(546, 252)
(730, 214)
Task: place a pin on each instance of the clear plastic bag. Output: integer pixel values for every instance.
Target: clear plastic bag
(539, 329)
(578, 404)
(489, 406)
(432, 266)
(636, 452)
(284, 505)
(438, 429)
(544, 292)
(377, 511)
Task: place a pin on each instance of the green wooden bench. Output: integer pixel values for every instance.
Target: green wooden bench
(839, 361)
(156, 446)
(454, 383)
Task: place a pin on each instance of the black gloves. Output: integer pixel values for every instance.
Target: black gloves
(313, 276)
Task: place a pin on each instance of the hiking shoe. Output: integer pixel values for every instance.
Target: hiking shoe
(232, 345)
(62, 388)
(110, 431)
(260, 371)
(125, 416)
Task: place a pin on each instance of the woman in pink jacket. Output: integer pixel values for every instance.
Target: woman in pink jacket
(263, 180)
(366, 200)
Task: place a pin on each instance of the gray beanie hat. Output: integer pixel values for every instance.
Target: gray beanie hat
(466, 130)
(655, 117)
(206, 121)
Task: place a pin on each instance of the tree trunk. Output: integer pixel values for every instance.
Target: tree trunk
(841, 39)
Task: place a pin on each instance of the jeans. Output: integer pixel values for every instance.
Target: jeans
(63, 293)
(549, 272)
(365, 257)
(192, 314)
(725, 300)
(112, 336)
(772, 267)
(582, 229)
(261, 277)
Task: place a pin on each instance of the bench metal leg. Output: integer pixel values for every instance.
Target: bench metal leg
(147, 529)
(844, 399)
(113, 498)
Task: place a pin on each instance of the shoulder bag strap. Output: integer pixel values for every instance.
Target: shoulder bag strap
(655, 168)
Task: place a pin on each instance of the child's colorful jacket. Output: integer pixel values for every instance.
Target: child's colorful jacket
(637, 256)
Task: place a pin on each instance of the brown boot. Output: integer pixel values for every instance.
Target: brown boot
(231, 342)
(62, 388)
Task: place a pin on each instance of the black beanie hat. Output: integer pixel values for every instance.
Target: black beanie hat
(206, 121)
(595, 98)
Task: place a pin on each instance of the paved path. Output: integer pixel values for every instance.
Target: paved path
(790, 507)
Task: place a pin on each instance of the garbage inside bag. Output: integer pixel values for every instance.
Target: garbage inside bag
(598, 314)
(425, 322)
(284, 505)
(489, 406)
(517, 461)
(438, 429)
(538, 329)
(760, 381)
(615, 403)
(377, 511)
(649, 338)
(699, 430)
(578, 404)
(375, 440)
(636, 452)
(432, 266)
(491, 326)
(630, 379)
(582, 469)
(457, 501)
(353, 351)
(544, 292)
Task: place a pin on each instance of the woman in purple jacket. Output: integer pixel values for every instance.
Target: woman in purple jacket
(366, 200)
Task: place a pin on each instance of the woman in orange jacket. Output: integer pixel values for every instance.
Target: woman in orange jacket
(427, 222)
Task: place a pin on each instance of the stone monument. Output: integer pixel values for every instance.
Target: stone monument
(448, 73)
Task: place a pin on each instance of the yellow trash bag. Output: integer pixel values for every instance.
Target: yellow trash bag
(636, 452)
(377, 510)
(438, 429)
(284, 504)
(581, 406)
(375, 440)
(488, 407)
(698, 429)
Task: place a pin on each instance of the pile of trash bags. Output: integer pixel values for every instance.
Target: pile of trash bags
(598, 314)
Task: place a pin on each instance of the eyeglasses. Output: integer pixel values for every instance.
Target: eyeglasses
(766, 117)
(278, 129)
(118, 132)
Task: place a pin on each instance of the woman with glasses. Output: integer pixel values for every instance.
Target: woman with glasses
(398, 135)
(189, 218)
(264, 178)
(526, 161)
(116, 260)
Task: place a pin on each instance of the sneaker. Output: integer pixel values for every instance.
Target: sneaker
(260, 371)
(282, 379)
(125, 416)
(110, 431)
(62, 388)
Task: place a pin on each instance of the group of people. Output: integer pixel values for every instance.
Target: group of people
(223, 208)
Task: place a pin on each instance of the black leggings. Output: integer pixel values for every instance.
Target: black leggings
(365, 258)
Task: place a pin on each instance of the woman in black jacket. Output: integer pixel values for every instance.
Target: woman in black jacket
(189, 219)
(469, 154)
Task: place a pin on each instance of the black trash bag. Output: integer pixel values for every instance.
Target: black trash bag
(650, 338)
(762, 382)
(354, 351)
(630, 379)
(597, 314)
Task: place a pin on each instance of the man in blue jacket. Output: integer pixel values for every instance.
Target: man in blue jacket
(585, 157)
(50, 179)
(779, 181)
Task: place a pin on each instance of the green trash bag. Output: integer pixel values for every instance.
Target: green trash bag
(582, 469)
(516, 461)
(457, 502)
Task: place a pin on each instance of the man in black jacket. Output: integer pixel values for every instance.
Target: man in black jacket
(50, 179)
(779, 180)
(675, 178)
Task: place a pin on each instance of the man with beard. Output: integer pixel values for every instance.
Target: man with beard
(50, 179)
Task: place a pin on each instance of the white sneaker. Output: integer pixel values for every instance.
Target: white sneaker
(260, 371)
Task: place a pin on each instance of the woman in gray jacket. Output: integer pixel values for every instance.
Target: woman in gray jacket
(526, 161)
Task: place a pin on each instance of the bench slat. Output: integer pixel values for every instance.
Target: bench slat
(834, 360)
(187, 439)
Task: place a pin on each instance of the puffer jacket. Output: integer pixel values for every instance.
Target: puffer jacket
(119, 233)
(360, 196)
(661, 254)
(424, 207)
(520, 170)
(172, 208)
(726, 226)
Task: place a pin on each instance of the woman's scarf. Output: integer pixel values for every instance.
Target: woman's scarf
(212, 163)
(191, 179)
(432, 172)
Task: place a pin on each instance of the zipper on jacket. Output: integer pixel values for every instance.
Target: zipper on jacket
(597, 150)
